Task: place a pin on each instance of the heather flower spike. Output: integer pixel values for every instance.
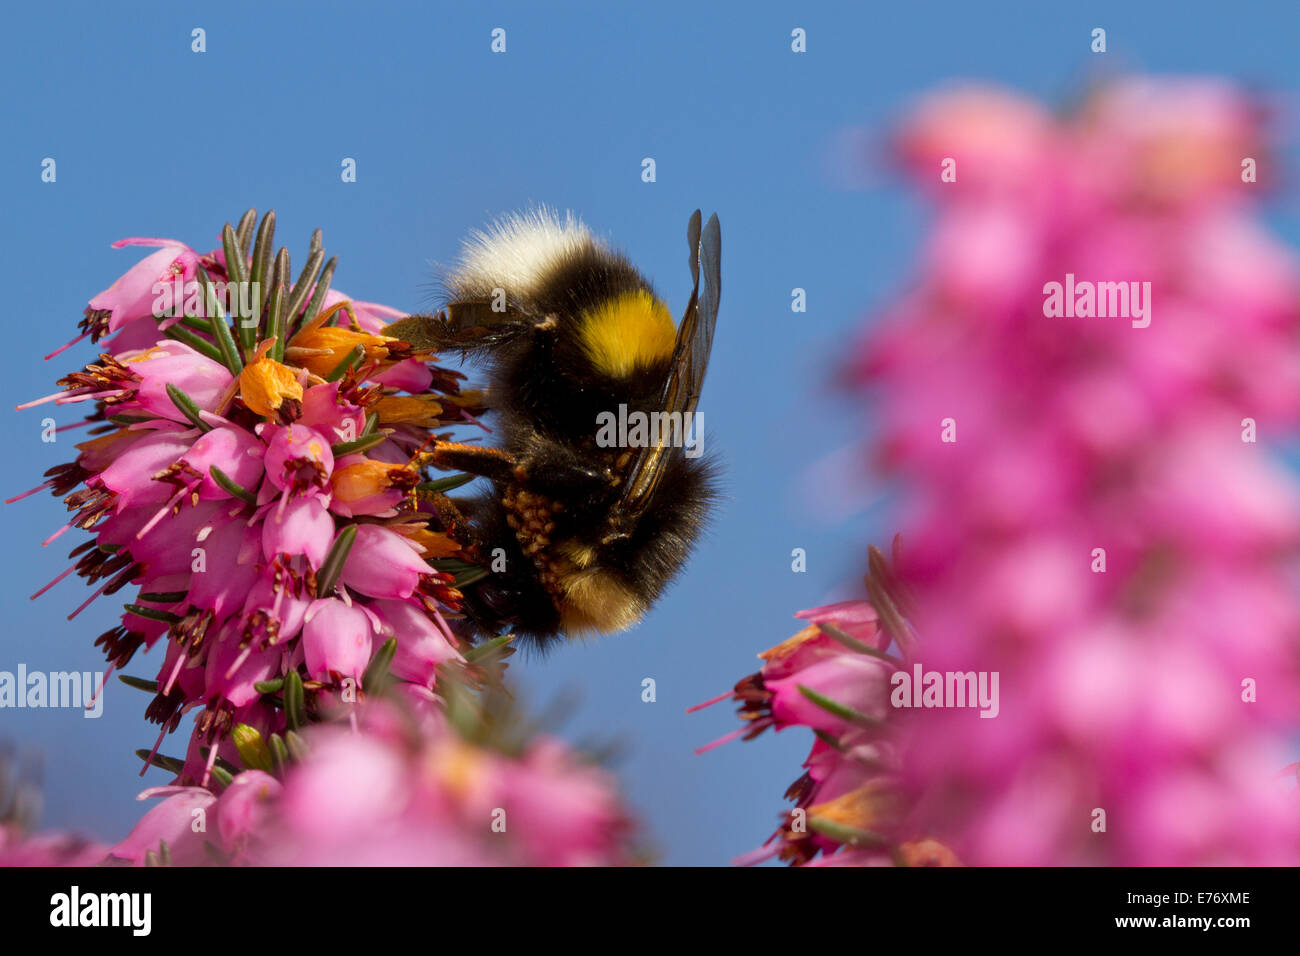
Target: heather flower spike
(256, 472)
(834, 677)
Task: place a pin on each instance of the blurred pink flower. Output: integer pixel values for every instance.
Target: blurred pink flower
(400, 790)
(1109, 530)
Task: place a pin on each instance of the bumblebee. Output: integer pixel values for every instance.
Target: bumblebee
(582, 533)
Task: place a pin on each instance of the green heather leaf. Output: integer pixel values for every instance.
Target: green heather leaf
(170, 764)
(349, 362)
(275, 322)
(153, 613)
(365, 443)
(238, 273)
(842, 711)
(302, 288)
(295, 701)
(372, 422)
(843, 833)
(163, 597)
(853, 644)
(232, 486)
(252, 748)
(200, 323)
(460, 711)
(262, 247)
(202, 346)
(890, 618)
(244, 231)
(880, 568)
(332, 567)
(829, 739)
(139, 683)
(279, 753)
(444, 484)
(318, 297)
(220, 330)
(376, 675)
(480, 651)
(236, 267)
(296, 746)
(187, 407)
(470, 577)
(269, 686)
(452, 565)
(280, 267)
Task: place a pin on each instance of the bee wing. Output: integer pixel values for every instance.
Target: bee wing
(681, 392)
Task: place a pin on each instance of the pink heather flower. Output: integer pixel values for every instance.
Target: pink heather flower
(1002, 141)
(383, 563)
(330, 414)
(431, 799)
(401, 789)
(232, 672)
(234, 451)
(174, 363)
(336, 639)
(856, 682)
(858, 619)
(179, 821)
(245, 807)
(304, 526)
(422, 646)
(130, 477)
(298, 458)
(133, 295)
(232, 546)
(47, 849)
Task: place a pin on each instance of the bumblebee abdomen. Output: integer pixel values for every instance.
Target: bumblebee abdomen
(627, 333)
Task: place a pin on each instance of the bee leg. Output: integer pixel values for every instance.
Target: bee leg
(559, 471)
(495, 464)
(421, 331)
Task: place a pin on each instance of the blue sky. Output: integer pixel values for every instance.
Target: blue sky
(153, 139)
